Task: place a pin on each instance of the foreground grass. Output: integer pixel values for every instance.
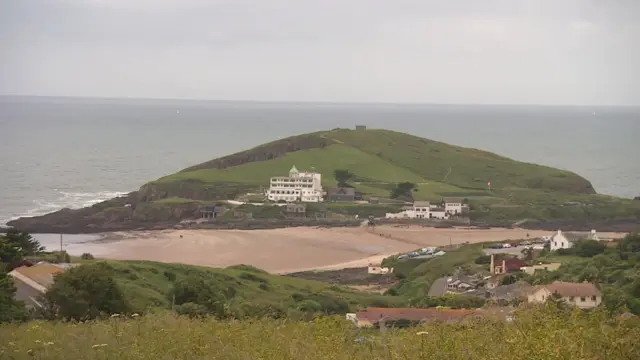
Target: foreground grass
(544, 334)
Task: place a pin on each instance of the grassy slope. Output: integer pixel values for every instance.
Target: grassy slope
(147, 284)
(381, 158)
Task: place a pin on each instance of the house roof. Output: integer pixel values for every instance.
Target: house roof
(571, 289)
(41, 273)
(513, 263)
(421, 204)
(375, 314)
(343, 191)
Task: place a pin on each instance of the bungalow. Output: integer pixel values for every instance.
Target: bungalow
(295, 209)
(373, 316)
(582, 295)
(212, 211)
(31, 282)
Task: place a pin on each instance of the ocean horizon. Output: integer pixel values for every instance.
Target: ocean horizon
(74, 152)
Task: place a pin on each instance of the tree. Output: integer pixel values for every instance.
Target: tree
(588, 248)
(207, 294)
(24, 240)
(86, 292)
(630, 243)
(342, 176)
(10, 309)
(404, 189)
(10, 254)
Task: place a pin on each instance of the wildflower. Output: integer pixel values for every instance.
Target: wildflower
(135, 315)
(49, 343)
(30, 352)
(12, 344)
(37, 341)
(98, 346)
(420, 333)
(115, 315)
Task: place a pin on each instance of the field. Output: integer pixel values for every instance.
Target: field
(544, 334)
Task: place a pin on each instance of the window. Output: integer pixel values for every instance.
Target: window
(571, 298)
(582, 299)
(593, 298)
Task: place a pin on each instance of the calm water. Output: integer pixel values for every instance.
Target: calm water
(57, 153)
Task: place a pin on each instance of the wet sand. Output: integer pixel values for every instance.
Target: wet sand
(293, 249)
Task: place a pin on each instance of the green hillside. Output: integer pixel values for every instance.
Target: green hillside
(147, 285)
(379, 159)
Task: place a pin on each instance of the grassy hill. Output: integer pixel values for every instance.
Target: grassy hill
(379, 160)
(147, 286)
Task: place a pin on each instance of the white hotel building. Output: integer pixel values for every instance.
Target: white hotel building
(298, 186)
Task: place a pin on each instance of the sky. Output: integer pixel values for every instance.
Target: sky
(556, 52)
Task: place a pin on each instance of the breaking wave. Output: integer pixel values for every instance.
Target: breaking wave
(65, 199)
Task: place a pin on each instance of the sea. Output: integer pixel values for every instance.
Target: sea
(73, 152)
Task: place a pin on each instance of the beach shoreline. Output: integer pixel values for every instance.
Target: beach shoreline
(289, 250)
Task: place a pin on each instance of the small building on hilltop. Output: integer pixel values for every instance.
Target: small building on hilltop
(582, 295)
(341, 194)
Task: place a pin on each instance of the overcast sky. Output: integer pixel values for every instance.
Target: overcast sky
(425, 51)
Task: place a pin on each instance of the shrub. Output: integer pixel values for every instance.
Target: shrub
(86, 256)
(86, 292)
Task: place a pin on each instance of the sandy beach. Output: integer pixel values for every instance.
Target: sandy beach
(292, 249)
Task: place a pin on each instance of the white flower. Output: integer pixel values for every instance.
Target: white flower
(98, 346)
(420, 333)
(115, 315)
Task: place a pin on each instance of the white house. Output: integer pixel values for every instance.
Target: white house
(421, 209)
(453, 206)
(436, 212)
(565, 240)
(559, 241)
(298, 186)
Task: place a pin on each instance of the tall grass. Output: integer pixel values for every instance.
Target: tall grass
(544, 334)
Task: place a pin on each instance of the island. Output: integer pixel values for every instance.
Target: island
(361, 174)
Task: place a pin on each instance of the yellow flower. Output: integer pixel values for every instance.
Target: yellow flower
(420, 333)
